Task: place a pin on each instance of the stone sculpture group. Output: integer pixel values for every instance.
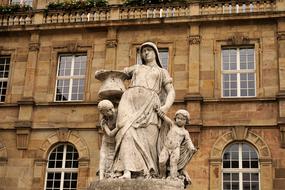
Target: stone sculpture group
(139, 140)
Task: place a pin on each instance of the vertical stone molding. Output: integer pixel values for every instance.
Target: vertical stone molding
(3, 154)
(194, 59)
(195, 133)
(193, 104)
(23, 130)
(39, 173)
(282, 136)
(111, 49)
(240, 133)
(34, 47)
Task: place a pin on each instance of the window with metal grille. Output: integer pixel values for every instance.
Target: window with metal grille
(62, 168)
(238, 72)
(4, 74)
(70, 77)
(240, 167)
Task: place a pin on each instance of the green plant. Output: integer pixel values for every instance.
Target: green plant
(74, 5)
(13, 8)
(145, 2)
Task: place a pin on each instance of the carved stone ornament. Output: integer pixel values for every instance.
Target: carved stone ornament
(72, 47)
(23, 129)
(238, 39)
(34, 46)
(63, 134)
(281, 35)
(239, 132)
(111, 43)
(194, 39)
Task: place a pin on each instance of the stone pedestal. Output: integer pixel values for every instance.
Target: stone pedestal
(136, 184)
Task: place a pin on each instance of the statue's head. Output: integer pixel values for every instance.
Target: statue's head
(184, 113)
(106, 108)
(153, 46)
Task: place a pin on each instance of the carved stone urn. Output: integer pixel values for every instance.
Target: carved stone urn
(112, 83)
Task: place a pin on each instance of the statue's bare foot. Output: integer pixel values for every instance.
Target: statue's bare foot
(127, 175)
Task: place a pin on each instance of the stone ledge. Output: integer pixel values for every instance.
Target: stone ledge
(137, 184)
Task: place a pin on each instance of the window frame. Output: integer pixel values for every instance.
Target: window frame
(240, 170)
(5, 79)
(238, 71)
(63, 170)
(70, 77)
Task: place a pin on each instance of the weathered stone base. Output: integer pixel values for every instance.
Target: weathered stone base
(136, 184)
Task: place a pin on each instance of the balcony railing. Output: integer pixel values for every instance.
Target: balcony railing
(154, 12)
(16, 20)
(238, 7)
(66, 17)
(113, 13)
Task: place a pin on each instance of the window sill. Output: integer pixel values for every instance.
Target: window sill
(239, 99)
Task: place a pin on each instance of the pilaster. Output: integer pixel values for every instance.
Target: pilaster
(111, 49)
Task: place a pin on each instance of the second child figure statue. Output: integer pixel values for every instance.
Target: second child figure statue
(108, 125)
(177, 147)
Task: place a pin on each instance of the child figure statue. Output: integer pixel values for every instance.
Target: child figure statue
(177, 146)
(108, 125)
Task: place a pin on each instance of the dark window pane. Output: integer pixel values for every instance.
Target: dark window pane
(73, 184)
(49, 183)
(235, 176)
(245, 164)
(246, 176)
(57, 176)
(58, 164)
(246, 185)
(235, 186)
(254, 177)
(226, 164)
(56, 183)
(254, 186)
(227, 185)
(234, 164)
(226, 176)
(51, 164)
(254, 164)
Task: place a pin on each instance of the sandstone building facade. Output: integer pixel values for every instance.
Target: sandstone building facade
(227, 61)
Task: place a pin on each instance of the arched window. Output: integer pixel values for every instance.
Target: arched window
(62, 168)
(240, 167)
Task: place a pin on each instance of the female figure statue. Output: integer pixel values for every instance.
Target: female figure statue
(138, 123)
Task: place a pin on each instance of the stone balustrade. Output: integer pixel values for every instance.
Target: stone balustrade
(233, 7)
(154, 12)
(125, 13)
(67, 17)
(16, 20)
